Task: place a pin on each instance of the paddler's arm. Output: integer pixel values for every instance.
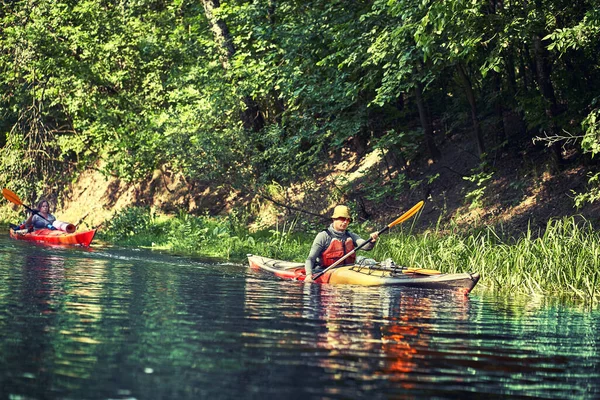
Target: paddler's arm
(29, 221)
(358, 240)
(308, 278)
(319, 244)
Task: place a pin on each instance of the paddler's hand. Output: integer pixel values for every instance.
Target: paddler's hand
(374, 236)
(308, 279)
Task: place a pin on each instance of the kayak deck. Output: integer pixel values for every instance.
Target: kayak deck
(55, 236)
(370, 275)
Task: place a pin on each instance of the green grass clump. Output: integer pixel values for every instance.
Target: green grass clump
(221, 237)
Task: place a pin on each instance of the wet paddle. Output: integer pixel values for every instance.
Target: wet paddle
(399, 220)
(13, 198)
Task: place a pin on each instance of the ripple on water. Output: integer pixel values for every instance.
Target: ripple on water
(115, 323)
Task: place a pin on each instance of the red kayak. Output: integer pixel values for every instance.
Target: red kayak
(55, 236)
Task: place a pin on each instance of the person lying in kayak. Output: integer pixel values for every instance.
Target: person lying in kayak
(335, 242)
(42, 219)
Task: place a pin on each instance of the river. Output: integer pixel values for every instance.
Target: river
(114, 323)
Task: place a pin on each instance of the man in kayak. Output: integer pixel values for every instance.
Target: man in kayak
(335, 242)
(42, 218)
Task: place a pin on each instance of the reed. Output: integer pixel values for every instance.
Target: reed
(563, 261)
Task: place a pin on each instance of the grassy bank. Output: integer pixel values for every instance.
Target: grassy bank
(563, 261)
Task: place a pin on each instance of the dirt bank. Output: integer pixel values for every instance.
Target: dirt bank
(522, 189)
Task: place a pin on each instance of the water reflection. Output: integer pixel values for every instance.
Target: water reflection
(43, 277)
(428, 343)
(387, 332)
(36, 310)
(118, 323)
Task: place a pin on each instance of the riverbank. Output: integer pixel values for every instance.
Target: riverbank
(561, 262)
(512, 219)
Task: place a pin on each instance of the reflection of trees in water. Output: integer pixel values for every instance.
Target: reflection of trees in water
(407, 335)
(365, 330)
(94, 326)
(42, 282)
(37, 286)
(54, 333)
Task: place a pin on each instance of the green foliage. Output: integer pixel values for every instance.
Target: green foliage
(9, 216)
(146, 84)
(591, 126)
(590, 144)
(209, 236)
(133, 226)
(583, 35)
(480, 177)
(406, 140)
(378, 191)
(592, 194)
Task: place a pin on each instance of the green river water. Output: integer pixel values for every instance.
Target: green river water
(114, 323)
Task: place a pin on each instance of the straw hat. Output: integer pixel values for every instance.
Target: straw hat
(341, 212)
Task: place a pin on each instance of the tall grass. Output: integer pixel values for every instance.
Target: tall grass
(563, 261)
(221, 237)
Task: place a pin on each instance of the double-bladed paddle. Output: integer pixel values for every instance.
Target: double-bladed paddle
(13, 198)
(399, 220)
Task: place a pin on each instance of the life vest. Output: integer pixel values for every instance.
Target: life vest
(336, 250)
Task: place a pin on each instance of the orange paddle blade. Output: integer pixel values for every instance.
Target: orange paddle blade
(408, 214)
(11, 196)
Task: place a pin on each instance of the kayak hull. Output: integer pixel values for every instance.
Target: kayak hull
(365, 276)
(55, 236)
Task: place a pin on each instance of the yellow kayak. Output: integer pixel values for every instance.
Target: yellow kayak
(374, 275)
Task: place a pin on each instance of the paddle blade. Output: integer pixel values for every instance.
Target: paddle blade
(422, 271)
(11, 196)
(407, 214)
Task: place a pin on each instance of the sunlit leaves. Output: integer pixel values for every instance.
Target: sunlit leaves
(140, 83)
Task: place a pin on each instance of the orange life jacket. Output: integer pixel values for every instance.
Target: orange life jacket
(336, 250)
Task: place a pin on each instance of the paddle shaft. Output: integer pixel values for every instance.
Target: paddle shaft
(400, 219)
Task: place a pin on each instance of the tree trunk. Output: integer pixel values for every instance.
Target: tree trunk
(547, 90)
(499, 109)
(251, 117)
(511, 83)
(278, 103)
(425, 118)
(221, 31)
(497, 7)
(395, 159)
(471, 98)
(511, 79)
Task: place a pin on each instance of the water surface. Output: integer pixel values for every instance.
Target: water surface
(113, 323)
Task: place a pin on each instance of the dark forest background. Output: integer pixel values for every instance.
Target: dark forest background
(244, 95)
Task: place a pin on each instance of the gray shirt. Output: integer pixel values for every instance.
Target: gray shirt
(322, 242)
(39, 222)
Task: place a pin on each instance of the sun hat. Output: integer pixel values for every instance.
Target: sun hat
(341, 212)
